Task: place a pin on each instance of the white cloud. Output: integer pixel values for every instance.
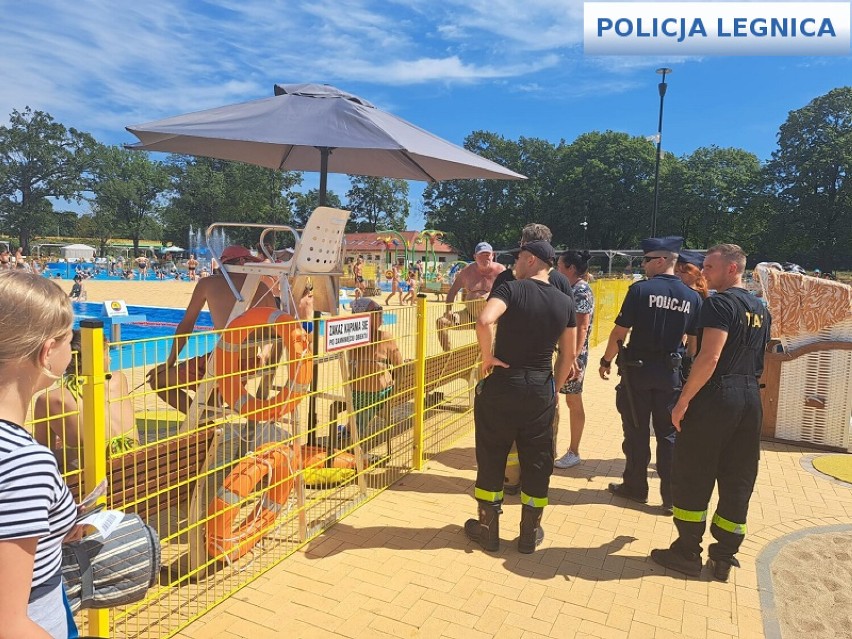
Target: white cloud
(99, 65)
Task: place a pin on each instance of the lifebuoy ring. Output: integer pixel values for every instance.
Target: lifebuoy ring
(273, 463)
(228, 356)
(389, 274)
(316, 457)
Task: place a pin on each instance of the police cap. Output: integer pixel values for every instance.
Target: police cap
(670, 244)
(691, 257)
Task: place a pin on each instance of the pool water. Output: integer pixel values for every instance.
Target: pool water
(159, 322)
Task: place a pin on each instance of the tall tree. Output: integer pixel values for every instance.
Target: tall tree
(707, 196)
(470, 211)
(39, 159)
(608, 182)
(377, 203)
(130, 188)
(207, 190)
(303, 205)
(811, 171)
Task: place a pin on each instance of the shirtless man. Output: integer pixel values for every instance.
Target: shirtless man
(358, 272)
(476, 279)
(142, 263)
(58, 416)
(217, 295)
(191, 265)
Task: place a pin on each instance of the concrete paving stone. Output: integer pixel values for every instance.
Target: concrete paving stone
(589, 629)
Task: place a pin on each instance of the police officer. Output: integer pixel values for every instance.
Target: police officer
(515, 403)
(718, 417)
(657, 313)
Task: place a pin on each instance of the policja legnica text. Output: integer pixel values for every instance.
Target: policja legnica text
(683, 28)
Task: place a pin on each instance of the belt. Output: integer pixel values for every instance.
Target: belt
(525, 374)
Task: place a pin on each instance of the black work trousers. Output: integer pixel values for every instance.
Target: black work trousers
(719, 443)
(515, 406)
(655, 390)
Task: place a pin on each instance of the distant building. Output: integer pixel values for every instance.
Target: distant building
(373, 250)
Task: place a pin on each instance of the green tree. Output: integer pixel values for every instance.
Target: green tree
(608, 181)
(39, 159)
(303, 204)
(100, 224)
(708, 196)
(130, 188)
(207, 190)
(811, 172)
(377, 203)
(470, 211)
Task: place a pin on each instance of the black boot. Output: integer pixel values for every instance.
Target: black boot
(486, 530)
(722, 567)
(532, 533)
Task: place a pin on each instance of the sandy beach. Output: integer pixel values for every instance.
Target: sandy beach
(166, 293)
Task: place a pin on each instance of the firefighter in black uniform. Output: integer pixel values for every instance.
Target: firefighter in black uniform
(657, 313)
(719, 417)
(515, 403)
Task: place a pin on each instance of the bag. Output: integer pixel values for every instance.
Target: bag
(118, 570)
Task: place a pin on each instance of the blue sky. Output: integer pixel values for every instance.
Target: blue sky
(450, 66)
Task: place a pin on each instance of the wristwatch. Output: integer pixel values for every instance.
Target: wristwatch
(605, 363)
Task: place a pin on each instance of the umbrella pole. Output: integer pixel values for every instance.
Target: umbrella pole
(325, 151)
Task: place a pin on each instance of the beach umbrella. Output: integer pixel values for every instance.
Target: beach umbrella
(314, 127)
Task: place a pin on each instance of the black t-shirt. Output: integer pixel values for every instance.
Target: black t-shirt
(555, 277)
(536, 316)
(659, 312)
(747, 322)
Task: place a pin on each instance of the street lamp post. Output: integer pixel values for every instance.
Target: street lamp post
(662, 87)
(585, 225)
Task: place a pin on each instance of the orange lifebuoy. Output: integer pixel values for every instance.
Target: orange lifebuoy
(315, 457)
(229, 352)
(273, 463)
(389, 274)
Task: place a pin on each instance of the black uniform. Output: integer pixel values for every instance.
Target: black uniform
(659, 312)
(516, 404)
(720, 433)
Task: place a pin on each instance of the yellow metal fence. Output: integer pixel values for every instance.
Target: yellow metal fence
(281, 439)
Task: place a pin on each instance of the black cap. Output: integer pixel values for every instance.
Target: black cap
(691, 257)
(670, 244)
(540, 248)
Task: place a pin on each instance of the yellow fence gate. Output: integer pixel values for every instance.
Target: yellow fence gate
(304, 427)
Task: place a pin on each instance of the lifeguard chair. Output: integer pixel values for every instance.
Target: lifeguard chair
(317, 257)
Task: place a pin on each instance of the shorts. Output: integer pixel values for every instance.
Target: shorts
(575, 386)
(359, 279)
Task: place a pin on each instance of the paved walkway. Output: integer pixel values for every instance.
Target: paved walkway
(401, 566)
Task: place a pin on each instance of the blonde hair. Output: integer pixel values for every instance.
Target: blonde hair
(731, 253)
(34, 310)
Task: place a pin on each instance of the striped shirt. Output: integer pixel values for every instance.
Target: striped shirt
(34, 499)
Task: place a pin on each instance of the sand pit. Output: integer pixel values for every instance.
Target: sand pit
(812, 580)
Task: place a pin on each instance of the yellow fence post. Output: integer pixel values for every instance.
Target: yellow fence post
(94, 432)
(419, 383)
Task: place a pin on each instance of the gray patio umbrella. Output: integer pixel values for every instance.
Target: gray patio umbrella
(314, 127)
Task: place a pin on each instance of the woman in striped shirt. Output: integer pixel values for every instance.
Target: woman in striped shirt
(37, 512)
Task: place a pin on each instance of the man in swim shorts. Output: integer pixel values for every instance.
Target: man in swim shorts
(475, 280)
(172, 379)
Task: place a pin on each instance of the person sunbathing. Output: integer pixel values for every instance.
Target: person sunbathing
(58, 413)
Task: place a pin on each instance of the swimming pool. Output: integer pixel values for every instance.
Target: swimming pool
(159, 322)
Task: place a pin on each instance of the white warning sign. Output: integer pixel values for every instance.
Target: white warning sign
(343, 332)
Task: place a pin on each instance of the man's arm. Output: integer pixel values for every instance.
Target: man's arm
(618, 334)
(567, 355)
(455, 287)
(187, 322)
(494, 309)
(703, 368)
